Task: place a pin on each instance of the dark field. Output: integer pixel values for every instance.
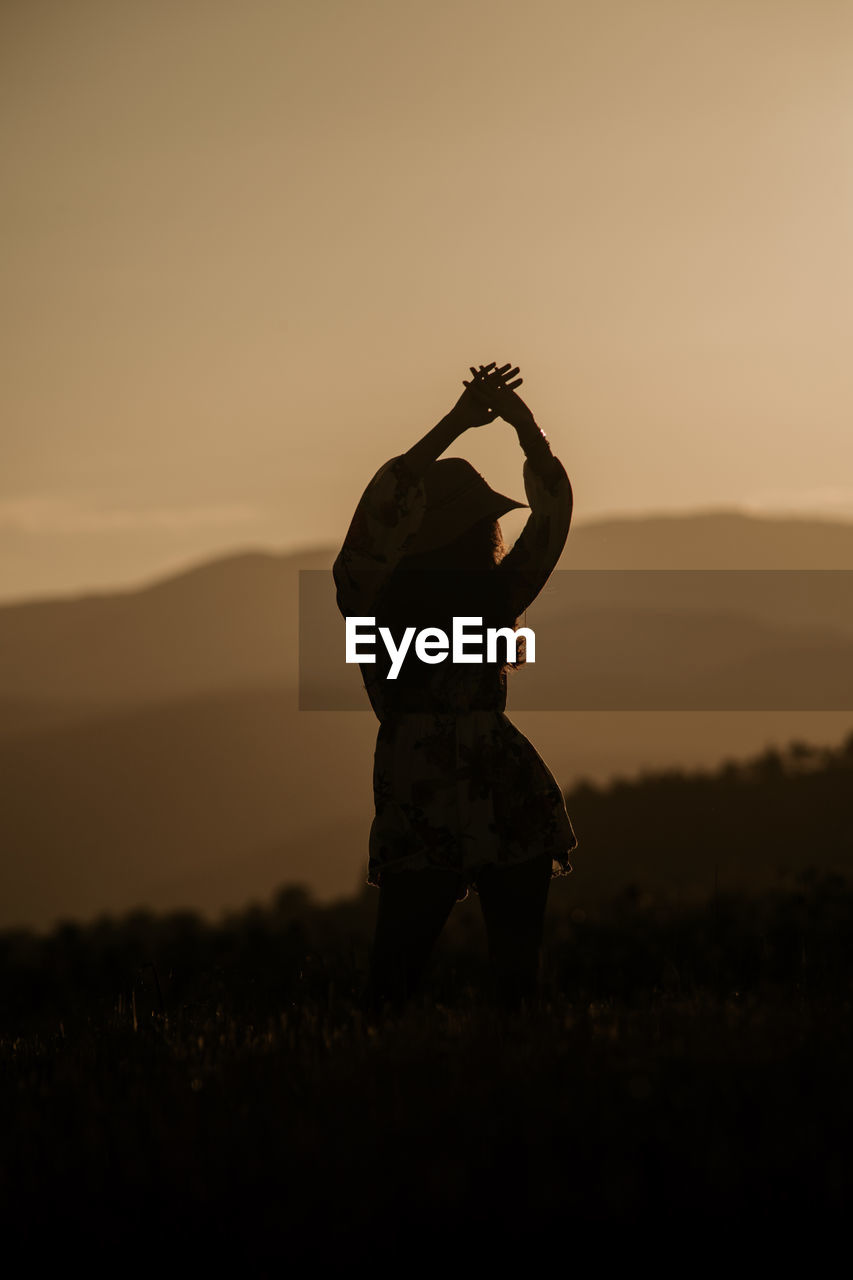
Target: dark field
(178, 1087)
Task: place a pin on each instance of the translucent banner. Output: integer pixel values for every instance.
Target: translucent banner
(602, 640)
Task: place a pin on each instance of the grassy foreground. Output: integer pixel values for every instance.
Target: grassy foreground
(170, 1084)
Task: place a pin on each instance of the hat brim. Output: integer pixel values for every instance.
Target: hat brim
(445, 524)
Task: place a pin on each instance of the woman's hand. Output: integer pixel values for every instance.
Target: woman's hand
(504, 401)
(488, 395)
(497, 394)
(477, 405)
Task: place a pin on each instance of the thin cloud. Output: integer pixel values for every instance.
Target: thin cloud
(830, 500)
(35, 515)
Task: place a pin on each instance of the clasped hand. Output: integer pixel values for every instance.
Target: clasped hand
(490, 394)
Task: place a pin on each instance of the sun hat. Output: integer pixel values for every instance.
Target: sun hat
(457, 496)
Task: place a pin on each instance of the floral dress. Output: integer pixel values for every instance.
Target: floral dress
(456, 784)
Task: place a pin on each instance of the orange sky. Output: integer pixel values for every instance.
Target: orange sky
(249, 251)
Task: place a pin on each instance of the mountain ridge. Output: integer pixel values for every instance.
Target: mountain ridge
(802, 536)
(151, 736)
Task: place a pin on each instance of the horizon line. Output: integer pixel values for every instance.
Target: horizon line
(314, 546)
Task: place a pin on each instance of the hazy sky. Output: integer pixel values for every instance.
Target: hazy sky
(249, 250)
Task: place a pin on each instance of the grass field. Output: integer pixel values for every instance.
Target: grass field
(179, 1085)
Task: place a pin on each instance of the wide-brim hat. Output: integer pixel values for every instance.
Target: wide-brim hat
(457, 497)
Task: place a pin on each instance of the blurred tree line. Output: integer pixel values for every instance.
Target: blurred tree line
(731, 878)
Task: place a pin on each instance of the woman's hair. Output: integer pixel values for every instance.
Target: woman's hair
(454, 580)
(481, 546)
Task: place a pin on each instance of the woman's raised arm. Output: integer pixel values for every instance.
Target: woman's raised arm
(536, 551)
(392, 506)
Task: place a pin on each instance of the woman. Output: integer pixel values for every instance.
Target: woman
(462, 799)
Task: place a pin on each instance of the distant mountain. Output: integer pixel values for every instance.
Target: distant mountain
(233, 622)
(710, 540)
(152, 750)
(225, 624)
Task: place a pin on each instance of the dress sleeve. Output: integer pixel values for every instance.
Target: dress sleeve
(534, 554)
(389, 512)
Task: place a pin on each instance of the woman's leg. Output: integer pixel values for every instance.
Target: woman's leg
(513, 900)
(413, 909)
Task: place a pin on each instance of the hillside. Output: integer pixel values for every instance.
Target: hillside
(152, 749)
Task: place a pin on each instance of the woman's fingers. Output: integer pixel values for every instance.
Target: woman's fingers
(489, 373)
(492, 380)
(504, 372)
(484, 377)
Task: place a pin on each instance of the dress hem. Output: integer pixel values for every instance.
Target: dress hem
(560, 866)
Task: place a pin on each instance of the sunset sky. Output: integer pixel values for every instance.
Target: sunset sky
(250, 249)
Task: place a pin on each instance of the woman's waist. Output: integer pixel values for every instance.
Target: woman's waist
(454, 700)
(393, 714)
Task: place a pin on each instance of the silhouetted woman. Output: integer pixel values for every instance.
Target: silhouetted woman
(462, 799)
